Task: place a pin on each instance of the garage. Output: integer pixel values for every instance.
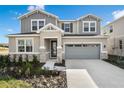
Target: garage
(82, 51)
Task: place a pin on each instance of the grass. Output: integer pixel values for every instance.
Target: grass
(14, 84)
(9, 82)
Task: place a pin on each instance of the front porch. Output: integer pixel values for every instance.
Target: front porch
(51, 44)
(51, 51)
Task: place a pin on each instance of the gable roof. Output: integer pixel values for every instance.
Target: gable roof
(89, 15)
(35, 11)
(50, 25)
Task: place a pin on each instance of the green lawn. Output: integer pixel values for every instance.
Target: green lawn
(12, 83)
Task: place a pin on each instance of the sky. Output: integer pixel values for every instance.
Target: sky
(9, 24)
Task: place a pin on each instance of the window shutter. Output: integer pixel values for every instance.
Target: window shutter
(71, 27)
(62, 26)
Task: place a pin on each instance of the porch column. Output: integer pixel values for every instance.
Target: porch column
(59, 50)
(42, 50)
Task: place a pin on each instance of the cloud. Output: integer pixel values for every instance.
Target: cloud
(117, 14)
(10, 30)
(36, 7)
(107, 22)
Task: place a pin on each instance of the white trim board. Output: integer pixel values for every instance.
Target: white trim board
(24, 52)
(34, 35)
(85, 37)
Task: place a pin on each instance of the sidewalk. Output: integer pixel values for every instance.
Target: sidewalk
(79, 78)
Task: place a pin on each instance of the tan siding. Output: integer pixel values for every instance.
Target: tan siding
(12, 43)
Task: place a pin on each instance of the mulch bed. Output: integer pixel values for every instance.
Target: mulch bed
(48, 81)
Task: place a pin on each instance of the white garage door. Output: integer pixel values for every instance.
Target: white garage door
(82, 51)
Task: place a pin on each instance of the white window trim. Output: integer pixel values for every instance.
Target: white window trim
(89, 26)
(25, 48)
(68, 27)
(37, 24)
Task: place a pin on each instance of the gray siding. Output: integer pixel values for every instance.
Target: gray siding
(26, 22)
(77, 24)
(74, 29)
(89, 19)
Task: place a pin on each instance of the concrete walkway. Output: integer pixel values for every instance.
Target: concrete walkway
(79, 78)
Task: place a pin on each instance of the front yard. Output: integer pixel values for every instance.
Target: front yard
(26, 74)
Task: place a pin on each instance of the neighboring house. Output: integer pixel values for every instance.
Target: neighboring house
(46, 36)
(115, 31)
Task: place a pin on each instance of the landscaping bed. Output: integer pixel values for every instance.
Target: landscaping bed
(15, 73)
(116, 63)
(48, 81)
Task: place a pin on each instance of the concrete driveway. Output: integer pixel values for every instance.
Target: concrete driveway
(105, 75)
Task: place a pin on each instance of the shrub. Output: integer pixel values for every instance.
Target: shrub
(35, 60)
(4, 61)
(14, 58)
(20, 61)
(26, 58)
(115, 58)
(6, 77)
(1, 61)
(8, 60)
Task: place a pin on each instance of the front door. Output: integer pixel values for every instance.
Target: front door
(53, 49)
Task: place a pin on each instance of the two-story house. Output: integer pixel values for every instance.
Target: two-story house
(115, 31)
(46, 36)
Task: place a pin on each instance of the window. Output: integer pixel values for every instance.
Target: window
(41, 24)
(21, 46)
(37, 24)
(111, 29)
(92, 26)
(25, 45)
(34, 25)
(28, 45)
(70, 45)
(120, 44)
(77, 45)
(89, 26)
(86, 27)
(67, 27)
